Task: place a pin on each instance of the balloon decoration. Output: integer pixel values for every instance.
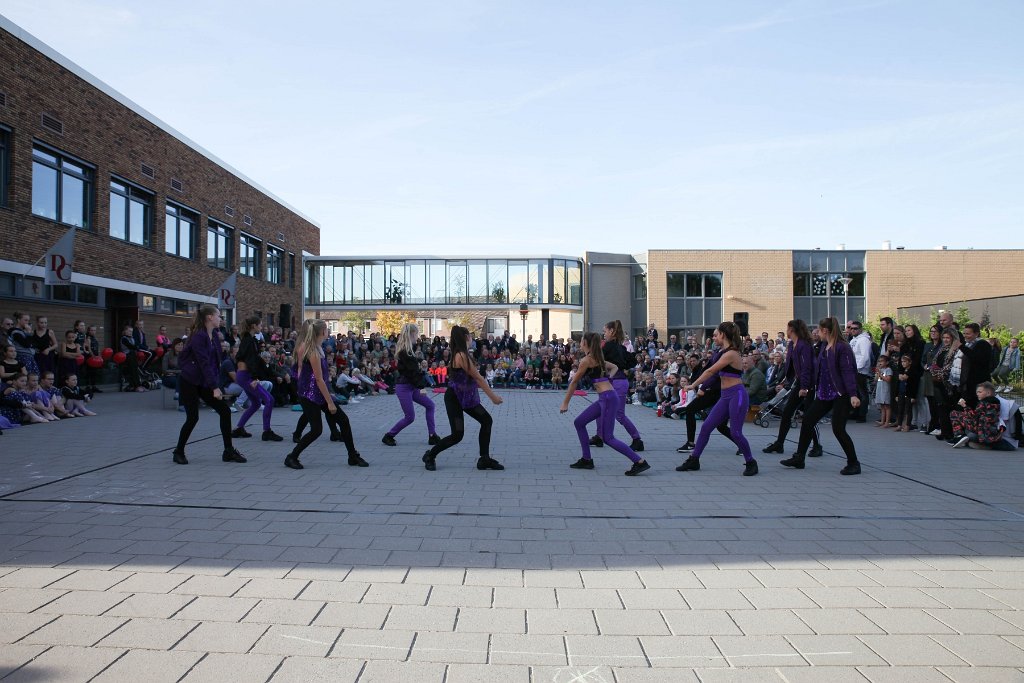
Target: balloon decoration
(80, 360)
(140, 356)
(107, 353)
(119, 357)
(159, 352)
(95, 362)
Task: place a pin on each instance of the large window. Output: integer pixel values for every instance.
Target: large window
(291, 271)
(275, 264)
(249, 256)
(694, 300)
(130, 211)
(61, 188)
(180, 227)
(827, 283)
(5, 161)
(220, 246)
(640, 286)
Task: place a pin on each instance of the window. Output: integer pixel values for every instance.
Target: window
(130, 210)
(180, 236)
(818, 285)
(4, 163)
(640, 286)
(275, 262)
(291, 271)
(61, 188)
(249, 256)
(694, 299)
(220, 242)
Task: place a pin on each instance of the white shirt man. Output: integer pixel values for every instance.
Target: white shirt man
(860, 342)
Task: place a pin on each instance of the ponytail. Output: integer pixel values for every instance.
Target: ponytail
(731, 331)
(199, 322)
(616, 327)
(593, 340)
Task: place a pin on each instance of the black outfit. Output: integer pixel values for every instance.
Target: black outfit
(341, 428)
(975, 369)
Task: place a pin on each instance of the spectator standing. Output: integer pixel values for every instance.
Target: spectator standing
(1009, 364)
(977, 362)
(861, 345)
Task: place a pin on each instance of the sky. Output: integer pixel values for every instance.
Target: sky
(560, 126)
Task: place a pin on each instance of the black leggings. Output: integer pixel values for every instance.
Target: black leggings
(311, 414)
(698, 404)
(303, 422)
(457, 420)
(793, 402)
(188, 396)
(841, 410)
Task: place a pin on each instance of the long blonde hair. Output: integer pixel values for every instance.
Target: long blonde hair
(405, 338)
(308, 339)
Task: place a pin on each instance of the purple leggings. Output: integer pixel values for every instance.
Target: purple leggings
(257, 396)
(621, 386)
(603, 410)
(407, 394)
(732, 407)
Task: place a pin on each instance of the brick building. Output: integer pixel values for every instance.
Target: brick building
(161, 222)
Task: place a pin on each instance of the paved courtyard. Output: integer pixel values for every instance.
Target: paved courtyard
(116, 564)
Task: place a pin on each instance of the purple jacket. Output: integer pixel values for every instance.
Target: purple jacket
(842, 367)
(714, 382)
(200, 360)
(799, 364)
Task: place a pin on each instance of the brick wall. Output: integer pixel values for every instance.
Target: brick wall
(117, 140)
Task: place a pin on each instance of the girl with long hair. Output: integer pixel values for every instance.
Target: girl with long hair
(595, 368)
(200, 371)
(733, 404)
(247, 360)
(616, 353)
(836, 391)
(408, 388)
(799, 375)
(463, 398)
(315, 398)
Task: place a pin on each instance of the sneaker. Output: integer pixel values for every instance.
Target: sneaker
(637, 468)
(773, 447)
(691, 463)
(269, 435)
(851, 468)
(815, 451)
(486, 462)
(356, 460)
(296, 437)
(181, 409)
(750, 469)
(336, 436)
(388, 440)
(596, 441)
(935, 432)
(954, 441)
(429, 461)
(179, 457)
(292, 462)
(240, 433)
(962, 442)
(233, 409)
(795, 461)
(637, 445)
(433, 440)
(685, 448)
(583, 464)
(232, 455)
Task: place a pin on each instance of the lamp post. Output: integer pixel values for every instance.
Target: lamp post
(846, 280)
(524, 311)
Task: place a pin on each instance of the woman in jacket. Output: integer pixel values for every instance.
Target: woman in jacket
(799, 376)
(410, 382)
(836, 391)
(614, 352)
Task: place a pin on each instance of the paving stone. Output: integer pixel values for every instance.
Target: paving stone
(150, 634)
(398, 672)
(470, 648)
(675, 652)
(296, 669)
(983, 650)
(835, 650)
(356, 643)
(749, 651)
(27, 599)
(233, 667)
(296, 612)
(592, 598)
(494, 620)
(906, 621)
(285, 589)
(766, 622)
(150, 666)
(420, 618)
(84, 602)
(633, 622)
(535, 597)
(308, 641)
(221, 637)
(91, 580)
(66, 663)
(150, 605)
(397, 594)
(492, 673)
(73, 629)
(204, 608)
(837, 621)
(651, 598)
(14, 627)
(15, 656)
(561, 621)
(903, 674)
(911, 650)
(535, 650)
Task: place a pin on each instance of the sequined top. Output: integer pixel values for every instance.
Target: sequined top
(465, 388)
(826, 388)
(307, 381)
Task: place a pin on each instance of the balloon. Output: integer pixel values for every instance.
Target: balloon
(80, 360)
(95, 362)
(140, 355)
(119, 357)
(159, 352)
(107, 353)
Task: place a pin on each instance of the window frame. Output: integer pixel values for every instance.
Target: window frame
(5, 162)
(87, 176)
(276, 254)
(183, 214)
(214, 229)
(137, 193)
(245, 240)
(683, 282)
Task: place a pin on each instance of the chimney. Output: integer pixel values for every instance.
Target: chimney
(841, 246)
(887, 245)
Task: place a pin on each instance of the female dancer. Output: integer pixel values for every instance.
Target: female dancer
(731, 406)
(708, 393)
(246, 361)
(836, 382)
(200, 372)
(316, 398)
(461, 399)
(410, 381)
(616, 353)
(799, 374)
(21, 338)
(595, 368)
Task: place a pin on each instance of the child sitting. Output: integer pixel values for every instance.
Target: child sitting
(979, 425)
(17, 393)
(74, 398)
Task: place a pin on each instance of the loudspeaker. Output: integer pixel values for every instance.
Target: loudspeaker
(742, 320)
(284, 316)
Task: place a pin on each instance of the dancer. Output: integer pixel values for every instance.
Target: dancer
(799, 376)
(731, 406)
(247, 360)
(836, 391)
(595, 368)
(706, 395)
(463, 398)
(200, 371)
(315, 398)
(410, 382)
(616, 353)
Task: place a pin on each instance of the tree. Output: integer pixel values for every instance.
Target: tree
(463, 319)
(355, 320)
(391, 322)
(498, 292)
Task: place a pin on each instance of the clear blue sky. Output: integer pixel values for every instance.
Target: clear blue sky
(471, 126)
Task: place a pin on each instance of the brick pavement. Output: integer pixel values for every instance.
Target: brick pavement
(116, 564)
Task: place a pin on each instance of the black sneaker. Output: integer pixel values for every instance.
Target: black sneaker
(637, 468)
(486, 462)
(240, 433)
(773, 448)
(388, 440)
(429, 461)
(296, 437)
(179, 457)
(739, 451)
(953, 442)
(232, 455)
(356, 460)
(851, 468)
(269, 435)
(583, 464)
(336, 436)
(815, 451)
(637, 445)
(685, 448)
(433, 440)
(796, 462)
(689, 464)
(596, 441)
(750, 469)
(292, 462)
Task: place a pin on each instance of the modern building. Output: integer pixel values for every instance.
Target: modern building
(161, 222)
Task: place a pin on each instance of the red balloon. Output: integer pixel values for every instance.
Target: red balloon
(80, 359)
(119, 357)
(140, 355)
(95, 362)
(159, 352)
(107, 353)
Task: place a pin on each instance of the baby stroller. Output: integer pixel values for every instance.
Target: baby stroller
(772, 409)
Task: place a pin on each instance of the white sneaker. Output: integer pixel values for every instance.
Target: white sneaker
(962, 443)
(935, 432)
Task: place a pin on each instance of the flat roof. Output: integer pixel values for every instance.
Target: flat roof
(33, 42)
(421, 257)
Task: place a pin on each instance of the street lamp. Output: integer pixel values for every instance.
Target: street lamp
(524, 311)
(846, 280)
